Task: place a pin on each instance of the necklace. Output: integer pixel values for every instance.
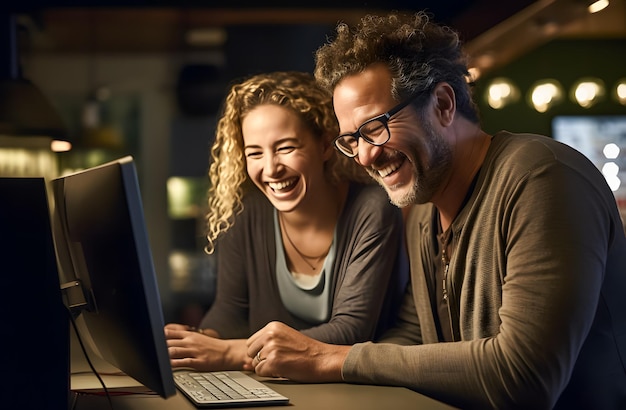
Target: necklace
(445, 260)
(304, 257)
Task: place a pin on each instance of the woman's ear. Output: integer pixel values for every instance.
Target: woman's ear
(445, 103)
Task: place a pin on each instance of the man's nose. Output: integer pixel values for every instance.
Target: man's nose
(367, 153)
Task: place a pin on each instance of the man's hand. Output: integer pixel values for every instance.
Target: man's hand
(280, 351)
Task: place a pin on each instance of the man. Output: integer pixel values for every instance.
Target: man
(517, 251)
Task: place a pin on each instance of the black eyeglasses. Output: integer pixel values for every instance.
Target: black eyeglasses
(375, 131)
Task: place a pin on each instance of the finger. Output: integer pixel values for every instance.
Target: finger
(175, 343)
(256, 361)
(178, 352)
(258, 367)
(175, 333)
(265, 368)
(173, 351)
(248, 366)
(254, 348)
(255, 337)
(184, 362)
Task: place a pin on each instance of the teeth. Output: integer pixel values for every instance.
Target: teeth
(277, 186)
(383, 172)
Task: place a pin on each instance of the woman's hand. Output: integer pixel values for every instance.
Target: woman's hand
(277, 350)
(190, 348)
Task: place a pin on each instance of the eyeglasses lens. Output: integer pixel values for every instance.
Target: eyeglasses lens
(374, 132)
(348, 145)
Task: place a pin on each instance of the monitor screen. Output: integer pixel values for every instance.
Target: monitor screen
(102, 245)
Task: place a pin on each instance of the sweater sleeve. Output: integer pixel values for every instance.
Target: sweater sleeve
(371, 270)
(228, 315)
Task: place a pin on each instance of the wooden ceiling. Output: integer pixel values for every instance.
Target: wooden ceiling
(541, 22)
(133, 27)
(495, 31)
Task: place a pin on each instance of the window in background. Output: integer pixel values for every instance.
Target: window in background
(602, 139)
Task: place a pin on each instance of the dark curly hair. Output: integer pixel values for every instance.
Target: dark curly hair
(419, 53)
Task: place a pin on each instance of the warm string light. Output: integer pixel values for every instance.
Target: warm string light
(545, 94)
(501, 93)
(587, 92)
(620, 91)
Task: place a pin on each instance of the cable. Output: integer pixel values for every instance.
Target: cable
(91, 366)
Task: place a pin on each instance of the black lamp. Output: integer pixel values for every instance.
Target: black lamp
(24, 110)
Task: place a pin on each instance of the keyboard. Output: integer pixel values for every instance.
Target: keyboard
(228, 388)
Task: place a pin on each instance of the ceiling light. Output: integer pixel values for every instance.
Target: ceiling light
(597, 6)
(24, 110)
(544, 94)
(620, 91)
(587, 92)
(501, 92)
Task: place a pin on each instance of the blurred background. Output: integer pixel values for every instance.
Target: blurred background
(83, 83)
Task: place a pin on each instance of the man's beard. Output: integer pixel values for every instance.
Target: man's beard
(427, 178)
(400, 200)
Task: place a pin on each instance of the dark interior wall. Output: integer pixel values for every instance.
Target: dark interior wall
(255, 48)
(566, 60)
(248, 50)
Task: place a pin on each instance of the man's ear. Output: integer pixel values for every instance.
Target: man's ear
(445, 103)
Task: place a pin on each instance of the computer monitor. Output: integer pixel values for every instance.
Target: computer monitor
(34, 336)
(107, 271)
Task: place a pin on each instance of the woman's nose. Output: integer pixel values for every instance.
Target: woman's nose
(272, 165)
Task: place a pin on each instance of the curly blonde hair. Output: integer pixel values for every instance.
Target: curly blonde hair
(297, 91)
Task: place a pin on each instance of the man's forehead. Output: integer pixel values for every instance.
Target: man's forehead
(373, 83)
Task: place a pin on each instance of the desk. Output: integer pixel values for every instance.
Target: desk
(328, 396)
(301, 396)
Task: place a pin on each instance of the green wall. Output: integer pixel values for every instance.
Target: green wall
(565, 61)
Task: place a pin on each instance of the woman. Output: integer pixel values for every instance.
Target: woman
(301, 234)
